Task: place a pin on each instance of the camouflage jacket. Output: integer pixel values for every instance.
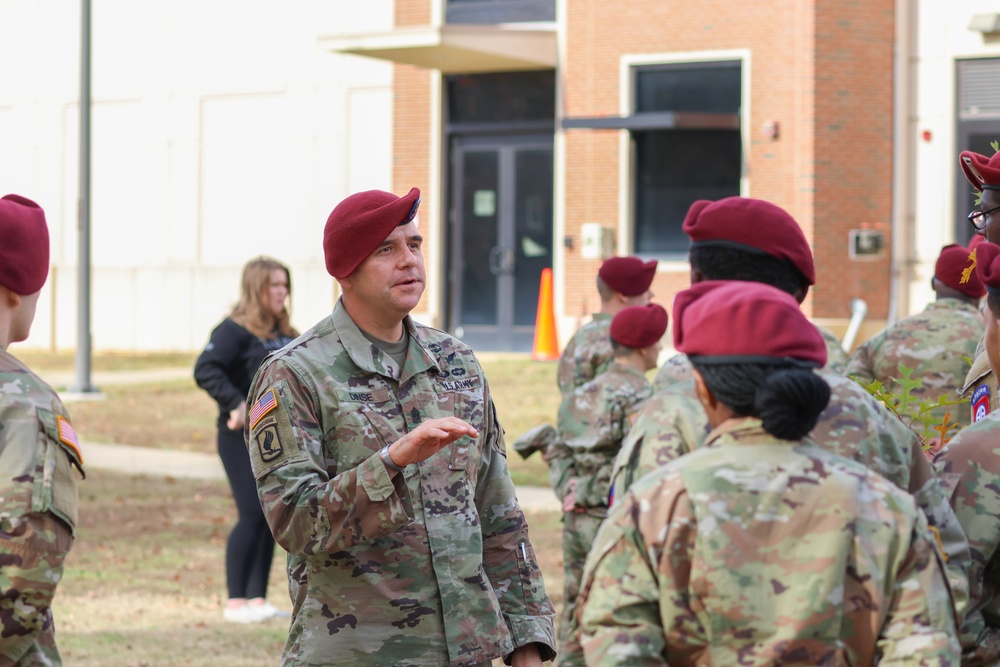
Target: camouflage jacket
(854, 425)
(429, 566)
(981, 388)
(677, 368)
(932, 344)
(592, 422)
(38, 511)
(586, 355)
(969, 466)
(759, 551)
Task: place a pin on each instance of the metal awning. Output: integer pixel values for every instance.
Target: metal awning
(458, 49)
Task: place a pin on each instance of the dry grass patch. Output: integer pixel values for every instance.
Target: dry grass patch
(145, 582)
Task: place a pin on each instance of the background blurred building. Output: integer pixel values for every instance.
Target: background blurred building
(543, 133)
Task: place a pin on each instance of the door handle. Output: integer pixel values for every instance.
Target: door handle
(508, 257)
(496, 260)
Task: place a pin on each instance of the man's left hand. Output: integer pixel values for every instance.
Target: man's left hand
(526, 656)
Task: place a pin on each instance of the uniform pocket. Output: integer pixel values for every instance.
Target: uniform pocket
(55, 483)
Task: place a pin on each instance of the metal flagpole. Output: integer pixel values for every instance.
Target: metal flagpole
(83, 346)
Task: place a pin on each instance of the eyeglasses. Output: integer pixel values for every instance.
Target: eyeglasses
(978, 218)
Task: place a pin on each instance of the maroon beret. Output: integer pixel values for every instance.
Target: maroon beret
(982, 172)
(951, 263)
(725, 321)
(359, 224)
(975, 240)
(753, 225)
(988, 267)
(639, 326)
(24, 245)
(628, 275)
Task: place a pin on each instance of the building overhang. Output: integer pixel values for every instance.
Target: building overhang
(458, 49)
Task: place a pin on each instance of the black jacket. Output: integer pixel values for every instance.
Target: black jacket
(228, 363)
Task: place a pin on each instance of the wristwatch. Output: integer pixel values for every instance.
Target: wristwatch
(387, 460)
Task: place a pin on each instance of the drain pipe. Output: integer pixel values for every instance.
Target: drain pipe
(858, 311)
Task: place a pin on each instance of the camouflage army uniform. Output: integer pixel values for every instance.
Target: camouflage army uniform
(854, 425)
(759, 551)
(38, 511)
(428, 566)
(677, 368)
(593, 419)
(932, 344)
(587, 354)
(969, 467)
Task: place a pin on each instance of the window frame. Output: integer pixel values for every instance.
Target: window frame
(488, 12)
(630, 66)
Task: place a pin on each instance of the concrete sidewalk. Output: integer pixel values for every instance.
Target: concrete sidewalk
(62, 379)
(133, 460)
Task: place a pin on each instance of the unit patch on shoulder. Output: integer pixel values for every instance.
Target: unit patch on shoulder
(268, 442)
(264, 404)
(980, 402)
(67, 436)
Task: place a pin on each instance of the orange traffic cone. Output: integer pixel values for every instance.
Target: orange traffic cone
(546, 347)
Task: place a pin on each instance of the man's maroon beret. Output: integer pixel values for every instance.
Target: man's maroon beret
(24, 245)
(639, 326)
(983, 172)
(628, 275)
(988, 267)
(951, 263)
(359, 224)
(723, 321)
(753, 225)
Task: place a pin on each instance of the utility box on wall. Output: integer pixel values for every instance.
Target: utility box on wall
(865, 244)
(596, 241)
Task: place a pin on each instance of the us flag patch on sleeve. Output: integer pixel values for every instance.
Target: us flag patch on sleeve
(67, 436)
(264, 404)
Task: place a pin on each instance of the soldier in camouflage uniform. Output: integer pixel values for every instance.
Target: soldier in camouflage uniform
(762, 548)
(621, 282)
(38, 449)
(931, 343)
(381, 468)
(984, 174)
(969, 467)
(854, 424)
(593, 419)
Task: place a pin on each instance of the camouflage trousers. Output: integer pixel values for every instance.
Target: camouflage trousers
(579, 533)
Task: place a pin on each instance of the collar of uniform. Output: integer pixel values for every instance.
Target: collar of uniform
(947, 303)
(619, 367)
(369, 358)
(743, 431)
(600, 317)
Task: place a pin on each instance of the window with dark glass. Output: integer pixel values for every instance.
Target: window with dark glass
(696, 154)
(502, 97)
(499, 11)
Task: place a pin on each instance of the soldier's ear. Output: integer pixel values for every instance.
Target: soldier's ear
(704, 394)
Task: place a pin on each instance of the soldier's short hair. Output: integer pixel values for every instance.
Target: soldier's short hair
(726, 263)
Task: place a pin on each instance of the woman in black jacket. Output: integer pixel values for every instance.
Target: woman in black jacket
(258, 325)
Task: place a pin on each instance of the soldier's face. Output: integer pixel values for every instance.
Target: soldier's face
(391, 280)
(24, 315)
(991, 199)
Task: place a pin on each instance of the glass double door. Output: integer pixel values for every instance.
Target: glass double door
(501, 238)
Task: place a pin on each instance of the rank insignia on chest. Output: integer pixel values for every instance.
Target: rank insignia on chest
(415, 416)
(980, 402)
(264, 404)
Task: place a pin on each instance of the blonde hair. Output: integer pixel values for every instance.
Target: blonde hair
(249, 312)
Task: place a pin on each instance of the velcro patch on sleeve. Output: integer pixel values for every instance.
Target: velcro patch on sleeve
(67, 436)
(264, 404)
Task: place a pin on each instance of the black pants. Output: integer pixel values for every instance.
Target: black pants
(250, 549)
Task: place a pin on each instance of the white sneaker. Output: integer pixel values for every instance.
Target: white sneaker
(268, 610)
(242, 614)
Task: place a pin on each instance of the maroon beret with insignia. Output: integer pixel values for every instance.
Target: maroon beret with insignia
(359, 224)
(725, 321)
(951, 263)
(988, 266)
(639, 326)
(628, 275)
(983, 172)
(24, 245)
(753, 225)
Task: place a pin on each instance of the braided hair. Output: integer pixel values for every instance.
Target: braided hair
(788, 398)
